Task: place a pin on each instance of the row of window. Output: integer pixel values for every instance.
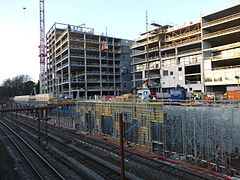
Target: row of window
(165, 72)
(183, 60)
(221, 76)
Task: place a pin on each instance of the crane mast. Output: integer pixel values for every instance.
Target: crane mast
(42, 47)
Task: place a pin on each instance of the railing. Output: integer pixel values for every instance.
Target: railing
(58, 53)
(93, 40)
(64, 40)
(92, 48)
(77, 46)
(59, 68)
(138, 60)
(193, 82)
(181, 42)
(221, 20)
(145, 51)
(226, 67)
(152, 49)
(76, 39)
(75, 79)
(77, 63)
(190, 51)
(64, 64)
(78, 88)
(139, 53)
(92, 56)
(137, 45)
(66, 55)
(64, 48)
(107, 65)
(58, 46)
(93, 87)
(168, 55)
(183, 35)
(92, 79)
(152, 40)
(61, 36)
(145, 60)
(108, 88)
(235, 54)
(228, 30)
(154, 76)
(74, 54)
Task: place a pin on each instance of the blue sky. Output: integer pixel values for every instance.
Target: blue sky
(19, 32)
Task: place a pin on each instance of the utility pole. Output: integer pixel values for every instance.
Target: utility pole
(120, 119)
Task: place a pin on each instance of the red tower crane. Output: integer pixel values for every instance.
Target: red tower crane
(42, 46)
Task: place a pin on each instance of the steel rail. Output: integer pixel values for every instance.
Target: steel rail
(43, 169)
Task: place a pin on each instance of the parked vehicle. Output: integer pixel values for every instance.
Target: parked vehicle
(158, 95)
(144, 94)
(178, 93)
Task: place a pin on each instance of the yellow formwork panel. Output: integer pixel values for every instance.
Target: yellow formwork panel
(144, 135)
(139, 110)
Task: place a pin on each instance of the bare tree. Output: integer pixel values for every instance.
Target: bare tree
(19, 85)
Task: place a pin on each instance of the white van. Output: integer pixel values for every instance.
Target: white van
(144, 94)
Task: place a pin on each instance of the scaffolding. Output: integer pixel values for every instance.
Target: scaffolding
(203, 135)
(206, 136)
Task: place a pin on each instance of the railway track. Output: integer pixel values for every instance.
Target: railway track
(158, 167)
(43, 169)
(103, 169)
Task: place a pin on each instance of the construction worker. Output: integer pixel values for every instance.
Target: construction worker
(154, 98)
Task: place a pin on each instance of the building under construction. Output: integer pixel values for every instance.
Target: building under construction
(82, 64)
(221, 49)
(200, 56)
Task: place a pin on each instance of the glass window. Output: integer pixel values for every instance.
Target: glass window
(217, 77)
(165, 72)
(208, 79)
(229, 76)
(178, 60)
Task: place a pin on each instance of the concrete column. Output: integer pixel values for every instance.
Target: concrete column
(160, 61)
(100, 65)
(85, 66)
(69, 66)
(114, 67)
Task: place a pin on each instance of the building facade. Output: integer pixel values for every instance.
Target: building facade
(221, 49)
(83, 64)
(201, 57)
(168, 56)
